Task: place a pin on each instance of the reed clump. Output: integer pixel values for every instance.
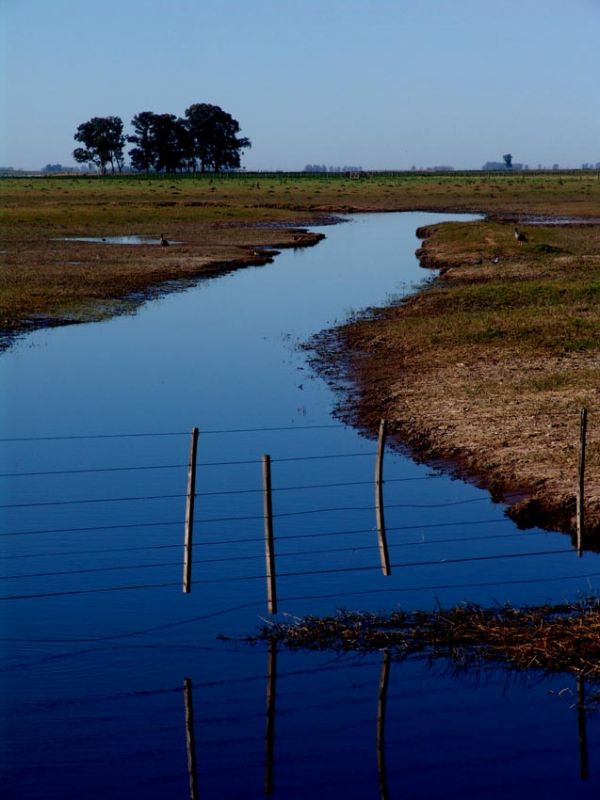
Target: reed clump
(551, 638)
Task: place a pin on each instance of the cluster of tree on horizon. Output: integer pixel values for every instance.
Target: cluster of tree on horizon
(206, 138)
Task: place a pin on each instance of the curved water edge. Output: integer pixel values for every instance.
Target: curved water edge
(223, 356)
(98, 635)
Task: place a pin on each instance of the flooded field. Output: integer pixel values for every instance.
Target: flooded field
(114, 682)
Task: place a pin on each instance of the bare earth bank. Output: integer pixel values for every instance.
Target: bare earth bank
(487, 370)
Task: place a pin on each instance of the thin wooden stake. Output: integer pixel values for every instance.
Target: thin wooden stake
(270, 723)
(379, 514)
(189, 514)
(581, 482)
(384, 678)
(190, 738)
(269, 543)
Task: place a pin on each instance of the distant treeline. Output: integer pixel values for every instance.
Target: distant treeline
(205, 139)
(325, 168)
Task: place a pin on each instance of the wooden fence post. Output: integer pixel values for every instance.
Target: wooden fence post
(581, 482)
(269, 543)
(190, 738)
(189, 514)
(379, 513)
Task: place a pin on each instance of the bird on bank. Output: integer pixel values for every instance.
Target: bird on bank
(520, 236)
(163, 241)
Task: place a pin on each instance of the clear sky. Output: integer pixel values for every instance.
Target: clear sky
(376, 83)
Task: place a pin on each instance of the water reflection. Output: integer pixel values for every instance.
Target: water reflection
(318, 750)
(381, 706)
(129, 240)
(270, 717)
(190, 738)
(251, 723)
(581, 718)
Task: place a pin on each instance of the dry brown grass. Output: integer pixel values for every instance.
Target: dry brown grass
(490, 367)
(47, 281)
(552, 638)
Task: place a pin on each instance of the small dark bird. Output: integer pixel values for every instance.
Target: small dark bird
(520, 236)
(163, 241)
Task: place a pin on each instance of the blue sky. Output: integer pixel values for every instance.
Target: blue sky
(375, 83)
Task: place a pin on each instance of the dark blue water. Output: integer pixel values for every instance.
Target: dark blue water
(98, 636)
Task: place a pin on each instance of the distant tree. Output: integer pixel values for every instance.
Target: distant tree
(507, 158)
(185, 144)
(103, 142)
(170, 141)
(207, 138)
(214, 137)
(163, 143)
(143, 157)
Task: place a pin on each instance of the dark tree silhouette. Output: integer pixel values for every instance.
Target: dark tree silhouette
(214, 133)
(169, 138)
(163, 143)
(103, 142)
(207, 138)
(143, 157)
(507, 158)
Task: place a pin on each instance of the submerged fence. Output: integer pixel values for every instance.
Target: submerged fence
(373, 537)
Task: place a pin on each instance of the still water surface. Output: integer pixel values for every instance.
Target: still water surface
(93, 665)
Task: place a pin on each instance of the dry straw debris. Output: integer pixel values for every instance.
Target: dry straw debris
(551, 638)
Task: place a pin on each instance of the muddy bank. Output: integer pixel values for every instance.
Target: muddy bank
(484, 373)
(55, 282)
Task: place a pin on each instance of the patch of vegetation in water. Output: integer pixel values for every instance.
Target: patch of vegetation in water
(551, 638)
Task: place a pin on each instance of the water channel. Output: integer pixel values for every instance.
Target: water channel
(114, 683)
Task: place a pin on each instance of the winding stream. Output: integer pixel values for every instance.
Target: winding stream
(98, 637)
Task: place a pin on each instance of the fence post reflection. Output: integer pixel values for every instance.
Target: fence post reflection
(190, 738)
(581, 724)
(384, 678)
(270, 717)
